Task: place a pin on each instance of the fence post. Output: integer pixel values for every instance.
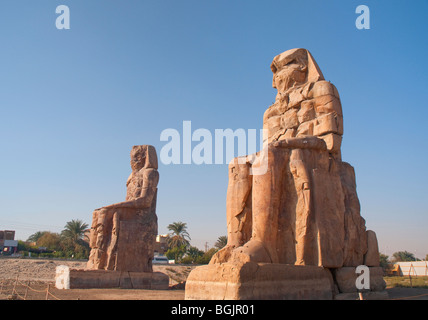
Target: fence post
(47, 292)
(26, 290)
(14, 286)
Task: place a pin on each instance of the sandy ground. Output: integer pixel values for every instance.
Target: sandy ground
(40, 274)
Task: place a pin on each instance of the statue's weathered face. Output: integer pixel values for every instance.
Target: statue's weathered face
(143, 156)
(138, 158)
(288, 76)
(289, 69)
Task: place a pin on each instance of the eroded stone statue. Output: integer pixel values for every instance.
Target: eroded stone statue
(304, 211)
(123, 234)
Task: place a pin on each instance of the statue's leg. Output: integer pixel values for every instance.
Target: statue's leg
(112, 248)
(305, 229)
(100, 238)
(266, 209)
(238, 208)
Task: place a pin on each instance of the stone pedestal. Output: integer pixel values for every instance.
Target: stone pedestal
(259, 281)
(67, 278)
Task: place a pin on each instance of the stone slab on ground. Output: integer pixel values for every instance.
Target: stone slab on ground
(67, 278)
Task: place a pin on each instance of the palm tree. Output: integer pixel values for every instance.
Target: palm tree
(74, 239)
(179, 235)
(194, 253)
(75, 231)
(221, 242)
(403, 256)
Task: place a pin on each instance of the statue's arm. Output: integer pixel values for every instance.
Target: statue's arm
(308, 142)
(145, 201)
(129, 180)
(150, 181)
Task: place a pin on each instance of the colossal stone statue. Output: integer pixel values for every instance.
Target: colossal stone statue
(303, 212)
(123, 234)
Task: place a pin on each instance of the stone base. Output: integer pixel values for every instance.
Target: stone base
(67, 278)
(250, 281)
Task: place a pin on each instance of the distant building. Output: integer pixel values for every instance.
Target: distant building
(412, 268)
(8, 244)
(161, 245)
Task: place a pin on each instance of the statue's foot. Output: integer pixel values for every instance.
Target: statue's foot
(223, 255)
(252, 251)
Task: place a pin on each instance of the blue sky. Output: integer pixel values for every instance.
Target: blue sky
(74, 102)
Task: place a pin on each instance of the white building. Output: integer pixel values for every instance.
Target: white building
(413, 268)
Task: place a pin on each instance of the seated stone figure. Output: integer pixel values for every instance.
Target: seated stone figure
(295, 228)
(306, 104)
(295, 213)
(123, 234)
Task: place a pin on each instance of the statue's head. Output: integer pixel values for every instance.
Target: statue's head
(294, 67)
(143, 157)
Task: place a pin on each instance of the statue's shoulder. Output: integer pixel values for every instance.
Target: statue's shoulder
(322, 88)
(149, 174)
